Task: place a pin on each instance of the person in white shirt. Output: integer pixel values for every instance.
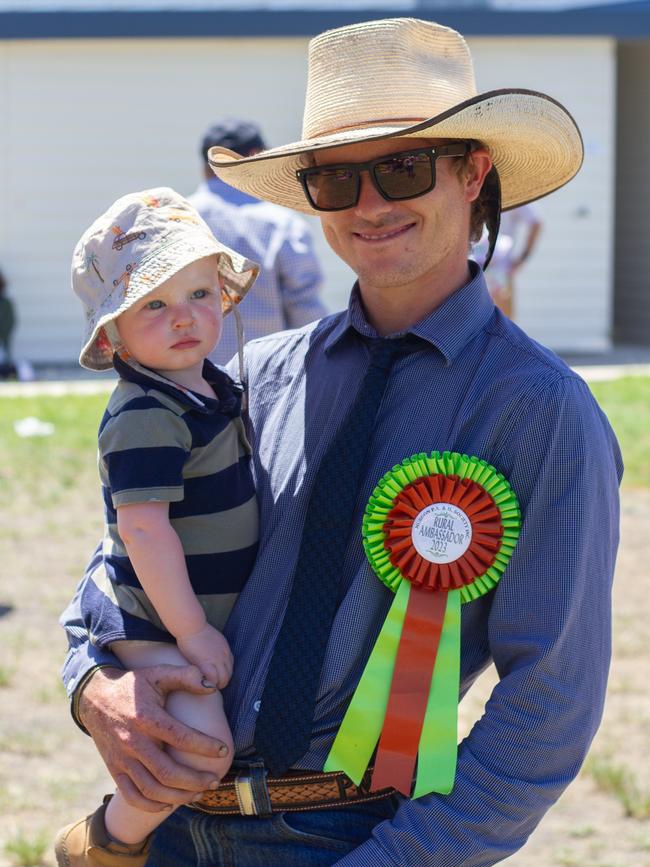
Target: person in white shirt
(518, 235)
(287, 291)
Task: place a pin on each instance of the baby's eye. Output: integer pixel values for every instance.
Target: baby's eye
(156, 304)
(200, 293)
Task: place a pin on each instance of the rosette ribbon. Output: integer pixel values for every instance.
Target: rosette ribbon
(438, 530)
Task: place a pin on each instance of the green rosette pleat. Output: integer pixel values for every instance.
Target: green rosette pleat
(452, 464)
(359, 732)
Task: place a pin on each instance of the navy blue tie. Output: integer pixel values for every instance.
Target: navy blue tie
(284, 723)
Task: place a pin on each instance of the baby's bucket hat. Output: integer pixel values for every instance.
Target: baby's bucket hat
(142, 240)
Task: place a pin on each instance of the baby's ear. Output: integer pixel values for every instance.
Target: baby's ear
(102, 341)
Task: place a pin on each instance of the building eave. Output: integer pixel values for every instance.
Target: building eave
(621, 21)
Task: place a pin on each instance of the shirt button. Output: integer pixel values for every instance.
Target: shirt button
(256, 706)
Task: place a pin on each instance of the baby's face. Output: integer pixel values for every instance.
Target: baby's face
(178, 324)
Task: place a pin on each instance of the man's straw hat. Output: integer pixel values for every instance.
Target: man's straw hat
(405, 77)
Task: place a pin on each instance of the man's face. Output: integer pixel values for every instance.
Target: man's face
(408, 243)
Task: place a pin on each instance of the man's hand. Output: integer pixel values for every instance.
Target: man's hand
(125, 715)
(210, 652)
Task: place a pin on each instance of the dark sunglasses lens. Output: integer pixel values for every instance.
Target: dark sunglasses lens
(405, 176)
(332, 188)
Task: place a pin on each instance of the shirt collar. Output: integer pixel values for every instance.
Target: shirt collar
(229, 194)
(227, 397)
(449, 328)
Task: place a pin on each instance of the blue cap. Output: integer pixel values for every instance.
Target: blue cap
(241, 136)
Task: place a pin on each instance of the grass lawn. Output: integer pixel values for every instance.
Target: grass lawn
(45, 468)
(626, 403)
(54, 464)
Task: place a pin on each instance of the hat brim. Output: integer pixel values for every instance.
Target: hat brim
(239, 274)
(534, 142)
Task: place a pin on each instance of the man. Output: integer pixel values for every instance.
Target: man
(403, 159)
(287, 292)
(518, 236)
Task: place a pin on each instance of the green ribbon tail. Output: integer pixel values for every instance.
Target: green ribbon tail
(359, 732)
(439, 739)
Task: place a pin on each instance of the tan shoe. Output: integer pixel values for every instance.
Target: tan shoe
(86, 844)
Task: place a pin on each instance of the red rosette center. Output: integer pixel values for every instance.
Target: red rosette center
(466, 544)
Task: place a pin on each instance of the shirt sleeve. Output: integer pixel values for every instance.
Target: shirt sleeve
(550, 639)
(142, 451)
(83, 657)
(300, 276)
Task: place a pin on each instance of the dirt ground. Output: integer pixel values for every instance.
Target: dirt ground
(49, 773)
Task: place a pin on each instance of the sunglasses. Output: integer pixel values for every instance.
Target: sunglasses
(404, 175)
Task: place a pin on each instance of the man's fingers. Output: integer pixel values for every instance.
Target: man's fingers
(170, 731)
(136, 799)
(210, 673)
(167, 678)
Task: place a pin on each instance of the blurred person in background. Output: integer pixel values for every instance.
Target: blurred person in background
(518, 235)
(7, 326)
(286, 294)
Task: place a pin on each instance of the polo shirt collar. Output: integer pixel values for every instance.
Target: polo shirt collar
(449, 328)
(227, 397)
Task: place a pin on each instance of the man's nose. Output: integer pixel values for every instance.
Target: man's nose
(371, 203)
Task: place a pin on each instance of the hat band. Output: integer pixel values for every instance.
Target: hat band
(384, 121)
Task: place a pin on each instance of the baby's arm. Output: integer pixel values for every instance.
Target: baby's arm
(156, 554)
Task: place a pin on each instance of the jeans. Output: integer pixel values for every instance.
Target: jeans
(313, 838)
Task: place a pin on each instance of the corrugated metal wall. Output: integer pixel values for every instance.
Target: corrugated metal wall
(632, 271)
(83, 122)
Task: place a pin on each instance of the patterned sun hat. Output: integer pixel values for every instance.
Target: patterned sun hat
(142, 240)
(403, 77)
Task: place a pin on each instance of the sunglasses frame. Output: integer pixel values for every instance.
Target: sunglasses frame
(456, 149)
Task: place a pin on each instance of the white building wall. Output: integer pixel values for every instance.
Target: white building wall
(565, 292)
(83, 122)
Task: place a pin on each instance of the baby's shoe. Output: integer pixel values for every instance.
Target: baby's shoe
(86, 844)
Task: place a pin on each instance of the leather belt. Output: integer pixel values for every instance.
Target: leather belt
(250, 792)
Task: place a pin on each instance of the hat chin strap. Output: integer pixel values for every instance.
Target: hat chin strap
(239, 327)
(492, 196)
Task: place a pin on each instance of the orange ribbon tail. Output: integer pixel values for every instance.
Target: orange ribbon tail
(409, 692)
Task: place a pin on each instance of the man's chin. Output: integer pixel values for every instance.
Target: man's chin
(386, 277)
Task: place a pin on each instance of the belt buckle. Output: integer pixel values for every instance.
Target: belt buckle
(245, 794)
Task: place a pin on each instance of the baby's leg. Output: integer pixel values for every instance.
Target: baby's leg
(203, 712)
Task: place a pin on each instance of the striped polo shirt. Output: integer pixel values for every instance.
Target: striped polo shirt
(159, 442)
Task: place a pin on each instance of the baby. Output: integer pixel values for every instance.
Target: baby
(180, 508)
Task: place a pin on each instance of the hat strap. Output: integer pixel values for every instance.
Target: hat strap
(239, 327)
(492, 187)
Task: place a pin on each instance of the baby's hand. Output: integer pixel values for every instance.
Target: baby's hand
(209, 651)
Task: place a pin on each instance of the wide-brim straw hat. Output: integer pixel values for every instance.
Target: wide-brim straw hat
(401, 77)
(142, 240)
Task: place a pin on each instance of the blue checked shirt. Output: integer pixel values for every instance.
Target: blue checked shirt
(482, 387)
(286, 292)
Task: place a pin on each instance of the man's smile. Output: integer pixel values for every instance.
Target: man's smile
(384, 234)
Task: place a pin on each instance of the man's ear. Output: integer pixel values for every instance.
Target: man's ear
(478, 165)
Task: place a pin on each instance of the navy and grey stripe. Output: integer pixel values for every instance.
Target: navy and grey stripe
(157, 445)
